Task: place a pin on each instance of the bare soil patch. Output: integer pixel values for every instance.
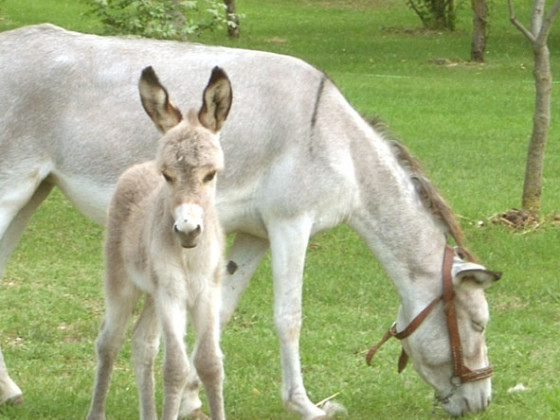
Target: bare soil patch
(523, 220)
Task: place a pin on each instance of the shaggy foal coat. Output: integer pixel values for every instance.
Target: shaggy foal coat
(164, 240)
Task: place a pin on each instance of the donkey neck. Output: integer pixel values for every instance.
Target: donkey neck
(392, 221)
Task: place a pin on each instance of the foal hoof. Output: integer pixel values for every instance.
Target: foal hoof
(197, 415)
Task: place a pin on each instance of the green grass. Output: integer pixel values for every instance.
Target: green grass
(469, 124)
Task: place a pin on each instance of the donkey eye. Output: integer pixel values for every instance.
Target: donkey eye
(478, 326)
(210, 176)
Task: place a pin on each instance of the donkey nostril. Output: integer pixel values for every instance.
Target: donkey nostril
(197, 231)
(175, 229)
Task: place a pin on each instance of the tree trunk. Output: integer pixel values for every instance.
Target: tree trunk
(435, 14)
(537, 36)
(232, 19)
(178, 19)
(439, 14)
(537, 17)
(532, 187)
(480, 16)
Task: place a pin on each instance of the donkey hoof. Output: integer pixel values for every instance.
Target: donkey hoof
(333, 410)
(15, 400)
(197, 415)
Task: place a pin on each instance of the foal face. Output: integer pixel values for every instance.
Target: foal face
(189, 158)
(189, 155)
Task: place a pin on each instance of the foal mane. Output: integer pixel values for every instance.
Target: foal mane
(429, 196)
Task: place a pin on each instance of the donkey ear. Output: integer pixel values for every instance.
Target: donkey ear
(473, 276)
(216, 101)
(156, 102)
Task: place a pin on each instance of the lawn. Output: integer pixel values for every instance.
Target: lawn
(469, 125)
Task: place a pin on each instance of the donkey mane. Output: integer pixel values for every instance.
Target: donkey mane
(429, 196)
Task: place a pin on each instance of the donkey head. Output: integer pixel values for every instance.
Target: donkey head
(189, 154)
(460, 378)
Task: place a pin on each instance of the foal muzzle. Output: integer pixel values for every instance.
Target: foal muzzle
(190, 239)
(188, 224)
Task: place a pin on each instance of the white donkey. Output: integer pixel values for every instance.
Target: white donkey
(299, 160)
(164, 239)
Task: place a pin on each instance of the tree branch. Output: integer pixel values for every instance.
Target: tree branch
(547, 24)
(519, 25)
(417, 11)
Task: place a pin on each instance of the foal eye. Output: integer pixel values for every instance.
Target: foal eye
(210, 176)
(167, 177)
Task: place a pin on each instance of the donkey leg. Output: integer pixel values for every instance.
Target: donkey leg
(9, 391)
(145, 345)
(207, 356)
(288, 245)
(17, 187)
(11, 227)
(110, 339)
(173, 318)
(244, 257)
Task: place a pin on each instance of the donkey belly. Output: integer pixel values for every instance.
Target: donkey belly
(90, 197)
(282, 197)
(238, 213)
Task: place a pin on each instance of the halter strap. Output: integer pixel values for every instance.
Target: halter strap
(392, 332)
(461, 373)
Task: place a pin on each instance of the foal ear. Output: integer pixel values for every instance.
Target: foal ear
(216, 101)
(156, 102)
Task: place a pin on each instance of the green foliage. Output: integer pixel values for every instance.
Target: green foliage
(161, 19)
(435, 14)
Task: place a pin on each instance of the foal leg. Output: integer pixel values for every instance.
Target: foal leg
(11, 228)
(172, 314)
(207, 356)
(110, 339)
(145, 345)
(288, 245)
(190, 400)
(244, 257)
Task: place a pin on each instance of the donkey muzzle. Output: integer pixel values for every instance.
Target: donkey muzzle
(188, 224)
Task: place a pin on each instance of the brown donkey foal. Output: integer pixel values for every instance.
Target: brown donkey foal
(164, 240)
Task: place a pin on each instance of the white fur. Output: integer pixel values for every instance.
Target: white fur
(299, 160)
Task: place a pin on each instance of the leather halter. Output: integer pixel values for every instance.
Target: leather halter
(461, 373)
